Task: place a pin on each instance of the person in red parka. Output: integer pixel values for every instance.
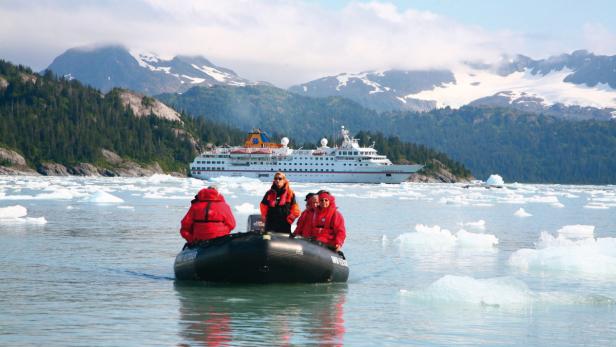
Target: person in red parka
(209, 217)
(328, 224)
(304, 222)
(278, 206)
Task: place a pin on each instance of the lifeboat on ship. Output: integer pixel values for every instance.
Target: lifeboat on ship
(260, 257)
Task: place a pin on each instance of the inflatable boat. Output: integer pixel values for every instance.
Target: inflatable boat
(260, 257)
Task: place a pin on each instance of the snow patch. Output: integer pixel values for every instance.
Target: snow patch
(551, 87)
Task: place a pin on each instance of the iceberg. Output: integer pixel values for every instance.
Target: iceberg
(495, 180)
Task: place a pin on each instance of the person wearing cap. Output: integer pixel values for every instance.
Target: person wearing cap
(209, 217)
(278, 207)
(304, 223)
(328, 225)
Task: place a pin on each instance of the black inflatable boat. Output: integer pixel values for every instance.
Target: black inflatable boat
(256, 257)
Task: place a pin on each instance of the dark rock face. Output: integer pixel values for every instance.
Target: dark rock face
(84, 169)
(52, 169)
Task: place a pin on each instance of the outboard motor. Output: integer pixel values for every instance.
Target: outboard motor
(254, 225)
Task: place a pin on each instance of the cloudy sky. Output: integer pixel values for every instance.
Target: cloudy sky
(289, 42)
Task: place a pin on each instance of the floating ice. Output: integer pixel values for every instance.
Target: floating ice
(246, 208)
(159, 178)
(16, 211)
(478, 225)
(127, 207)
(575, 252)
(467, 290)
(577, 231)
(521, 213)
(17, 214)
(435, 238)
(104, 198)
(596, 206)
(501, 292)
(428, 237)
(474, 240)
(495, 180)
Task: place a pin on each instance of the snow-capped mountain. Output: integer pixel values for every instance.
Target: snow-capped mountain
(578, 85)
(380, 90)
(115, 66)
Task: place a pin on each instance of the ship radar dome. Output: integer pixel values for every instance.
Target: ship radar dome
(284, 141)
(323, 142)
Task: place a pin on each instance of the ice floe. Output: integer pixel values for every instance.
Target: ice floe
(575, 251)
(17, 214)
(502, 292)
(495, 180)
(522, 213)
(102, 197)
(436, 238)
(477, 225)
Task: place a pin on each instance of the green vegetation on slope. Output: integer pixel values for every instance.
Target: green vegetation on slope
(520, 146)
(53, 119)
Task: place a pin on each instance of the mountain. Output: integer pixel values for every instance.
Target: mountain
(579, 85)
(59, 126)
(381, 91)
(108, 67)
(521, 146)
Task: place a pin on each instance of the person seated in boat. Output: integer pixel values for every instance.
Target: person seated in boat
(209, 217)
(278, 207)
(328, 224)
(304, 222)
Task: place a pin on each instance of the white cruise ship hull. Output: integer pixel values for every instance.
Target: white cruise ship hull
(258, 158)
(381, 176)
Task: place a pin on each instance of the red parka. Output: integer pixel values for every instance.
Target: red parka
(209, 217)
(304, 223)
(327, 224)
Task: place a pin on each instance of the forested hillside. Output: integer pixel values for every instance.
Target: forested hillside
(520, 146)
(50, 119)
(45, 118)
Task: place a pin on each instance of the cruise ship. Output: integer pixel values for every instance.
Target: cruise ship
(260, 158)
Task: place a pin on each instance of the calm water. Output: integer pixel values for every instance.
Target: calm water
(91, 264)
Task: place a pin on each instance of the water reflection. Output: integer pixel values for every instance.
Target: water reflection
(222, 315)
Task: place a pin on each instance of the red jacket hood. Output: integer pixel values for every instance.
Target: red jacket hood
(208, 194)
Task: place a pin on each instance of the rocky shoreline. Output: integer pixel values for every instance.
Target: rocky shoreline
(12, 163)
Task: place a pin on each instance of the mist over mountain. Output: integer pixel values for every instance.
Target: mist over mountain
(111, 66)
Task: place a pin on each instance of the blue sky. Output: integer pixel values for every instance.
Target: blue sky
(555, 18)
(292, 41)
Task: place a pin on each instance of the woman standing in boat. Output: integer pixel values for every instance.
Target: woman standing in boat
(278, 207)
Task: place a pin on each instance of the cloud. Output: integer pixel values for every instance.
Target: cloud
(284, 42)
(598, 38)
